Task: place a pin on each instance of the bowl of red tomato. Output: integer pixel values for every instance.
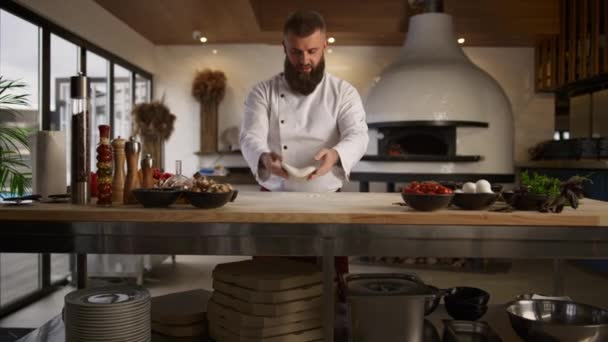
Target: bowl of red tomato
(427, 196)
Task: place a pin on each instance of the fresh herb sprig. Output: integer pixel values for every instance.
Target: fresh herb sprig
(541, 184)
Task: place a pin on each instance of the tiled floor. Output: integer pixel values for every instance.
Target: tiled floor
(192, 272)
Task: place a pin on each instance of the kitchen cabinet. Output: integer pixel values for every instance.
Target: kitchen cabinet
(580, 52)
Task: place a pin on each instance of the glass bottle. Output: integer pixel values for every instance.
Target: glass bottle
(178, 180)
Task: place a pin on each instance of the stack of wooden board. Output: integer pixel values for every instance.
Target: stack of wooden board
(180, 314)
(268, 300)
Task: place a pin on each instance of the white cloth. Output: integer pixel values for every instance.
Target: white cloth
(298, 126)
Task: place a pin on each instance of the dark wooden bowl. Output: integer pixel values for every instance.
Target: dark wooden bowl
(210, 200)
(528, 201)
(474, 201)
(156, 197)
(429, 202)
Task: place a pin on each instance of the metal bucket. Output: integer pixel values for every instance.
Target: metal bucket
(387, 307)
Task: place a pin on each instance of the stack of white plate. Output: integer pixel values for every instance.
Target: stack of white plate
(118, 313)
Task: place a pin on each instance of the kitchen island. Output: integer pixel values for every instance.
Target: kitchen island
(307, 224)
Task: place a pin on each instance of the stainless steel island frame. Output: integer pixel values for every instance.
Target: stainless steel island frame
(292, 224)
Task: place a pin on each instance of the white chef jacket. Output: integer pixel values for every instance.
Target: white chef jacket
(298, 126)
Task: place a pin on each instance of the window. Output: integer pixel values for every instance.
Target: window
(143, 92)
(64, 64)
(19, 60)
(97, 72)
(123, 102)
(44, 56)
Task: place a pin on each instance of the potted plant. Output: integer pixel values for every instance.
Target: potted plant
(14, 174)
(547, 194)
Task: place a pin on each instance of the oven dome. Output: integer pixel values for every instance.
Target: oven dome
(432, 79)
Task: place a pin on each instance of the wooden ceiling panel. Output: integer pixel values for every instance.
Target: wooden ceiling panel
(340, 15)
(352, 22)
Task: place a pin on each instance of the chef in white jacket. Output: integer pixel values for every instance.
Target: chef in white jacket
(303, 116)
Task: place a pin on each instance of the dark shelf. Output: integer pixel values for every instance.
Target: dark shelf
(428, 123)
(199, 153)
(423, 158)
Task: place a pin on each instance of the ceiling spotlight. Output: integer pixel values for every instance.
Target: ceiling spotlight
(330, 51)
(214, 51)
(331, 40)
(196, 35)
(461, 40)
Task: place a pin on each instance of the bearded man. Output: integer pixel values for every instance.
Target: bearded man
(304, 117)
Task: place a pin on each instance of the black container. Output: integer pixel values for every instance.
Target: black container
(461, 331)
(423, 202)
(474, 201)
(210, 200)
(156, 197)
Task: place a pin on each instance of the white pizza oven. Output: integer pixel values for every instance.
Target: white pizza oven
(434, 112)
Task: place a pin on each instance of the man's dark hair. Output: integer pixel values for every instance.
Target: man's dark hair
(304, 23)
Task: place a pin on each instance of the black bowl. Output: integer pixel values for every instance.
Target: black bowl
(528, 201)
(210, 200)
(466, 312)
(466, 295)
(474, 201)
(156, 197)
(429, 202)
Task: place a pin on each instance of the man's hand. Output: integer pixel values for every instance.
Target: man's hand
(329, 157)
(272, 162)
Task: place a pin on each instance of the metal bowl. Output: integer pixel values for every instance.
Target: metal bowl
(543, 320)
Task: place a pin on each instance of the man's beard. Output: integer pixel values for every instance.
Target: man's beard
(304, 82)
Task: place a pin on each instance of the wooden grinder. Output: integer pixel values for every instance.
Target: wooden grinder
(118, 182)
(132, 149)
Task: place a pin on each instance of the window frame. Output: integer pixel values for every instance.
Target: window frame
(46, 28)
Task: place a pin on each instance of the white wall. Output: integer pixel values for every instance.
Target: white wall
(246, 65)
(91, 21)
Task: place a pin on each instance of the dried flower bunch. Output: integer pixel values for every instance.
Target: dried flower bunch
(209, 86)
(153, 119)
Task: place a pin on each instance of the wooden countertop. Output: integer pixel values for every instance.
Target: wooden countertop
(325, 208)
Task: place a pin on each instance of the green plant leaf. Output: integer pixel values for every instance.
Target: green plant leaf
(13, 140)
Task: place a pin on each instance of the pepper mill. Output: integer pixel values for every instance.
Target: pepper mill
(147, 173)
(80, 158)
(118, 182)
(132, 150)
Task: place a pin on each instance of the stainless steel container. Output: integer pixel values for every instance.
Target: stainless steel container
(80, 158)
(387, 307)
(549, 320)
